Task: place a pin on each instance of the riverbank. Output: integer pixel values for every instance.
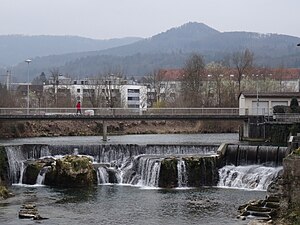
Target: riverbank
(91, 128)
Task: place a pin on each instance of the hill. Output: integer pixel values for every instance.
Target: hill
(16, 48)
(170, 49)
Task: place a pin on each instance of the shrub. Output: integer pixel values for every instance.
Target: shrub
(279, 109)
(294, 105)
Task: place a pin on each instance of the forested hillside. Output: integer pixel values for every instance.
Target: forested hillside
(170, 49)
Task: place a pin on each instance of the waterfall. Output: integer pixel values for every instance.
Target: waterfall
(180, 149)
(22, 169)
(182, 174)
(40, 179)
(16, 163)
(41, 176)
(177, 165)
(17, 155)
(149, 169)
(242, 155)
(255, 177)
(102, 175)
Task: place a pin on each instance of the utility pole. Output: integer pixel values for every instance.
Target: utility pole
(28, 105)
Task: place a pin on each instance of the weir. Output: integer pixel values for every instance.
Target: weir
(242, 155)
(161, 165)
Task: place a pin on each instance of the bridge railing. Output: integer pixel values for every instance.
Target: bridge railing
(122, 111)
(287, 117)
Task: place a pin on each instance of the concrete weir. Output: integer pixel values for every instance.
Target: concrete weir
(154, 165)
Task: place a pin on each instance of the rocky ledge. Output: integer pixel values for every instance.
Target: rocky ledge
(282, 206)
(29, 211)
(261, 209)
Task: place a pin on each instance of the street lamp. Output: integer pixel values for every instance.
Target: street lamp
(28, 61)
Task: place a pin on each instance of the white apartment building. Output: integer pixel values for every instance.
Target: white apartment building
(114, 92)
(134, 96)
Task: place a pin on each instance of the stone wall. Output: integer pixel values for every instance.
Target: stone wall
(291, 179)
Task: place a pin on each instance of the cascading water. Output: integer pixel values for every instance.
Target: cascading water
(251, 167)
(22, 169)
(255, 177)
(41, 176)
(18, 155)
(16, 163)
(242, 155)
(149, 169)
(102, 175)
(182, 174)
(141, 164)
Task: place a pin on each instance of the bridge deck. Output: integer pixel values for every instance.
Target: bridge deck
(124, 114)
(123, 117)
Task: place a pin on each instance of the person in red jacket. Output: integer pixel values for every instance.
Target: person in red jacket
(78, 107)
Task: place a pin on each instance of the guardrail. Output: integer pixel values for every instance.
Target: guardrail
(122, 111)
(287, 117)
(131, 111)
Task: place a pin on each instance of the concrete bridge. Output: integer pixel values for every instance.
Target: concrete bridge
(254, 126)
(110, 114)
(124, 114)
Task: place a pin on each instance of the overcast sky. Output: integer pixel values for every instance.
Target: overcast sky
(144, 18)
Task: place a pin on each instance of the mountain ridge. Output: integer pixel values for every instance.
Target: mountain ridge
(170, 49)
(17, 48)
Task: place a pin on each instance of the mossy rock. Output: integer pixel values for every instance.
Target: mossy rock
(31, 172)
(297, 151)
(72, 171)
(168, 176)
(4, 193)
(292, 215)
(202, 171)
(3, 166)
(33, 169)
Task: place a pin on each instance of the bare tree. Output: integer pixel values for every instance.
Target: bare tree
(105, 90)
(55, 82)
(158, 88)
(216, 75)
(7, 98)
(192, 81)
(242, 61)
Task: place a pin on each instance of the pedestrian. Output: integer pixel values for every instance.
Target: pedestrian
(78, 107)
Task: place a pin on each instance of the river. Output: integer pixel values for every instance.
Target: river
(129, 204)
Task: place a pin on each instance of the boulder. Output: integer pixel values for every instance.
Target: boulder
(29, 211)
(71, 171)
(168, 173)
(33, 168)
(202, 171)
(4, 193)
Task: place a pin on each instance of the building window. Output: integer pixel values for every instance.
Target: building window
(173, 85)
(133, 90)
(133, 98)
(78, 90)
(75, 81)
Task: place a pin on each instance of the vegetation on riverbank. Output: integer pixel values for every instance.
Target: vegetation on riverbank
(4, 193)
(93, 128)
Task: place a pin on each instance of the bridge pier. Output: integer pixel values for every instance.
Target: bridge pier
(245, 131)
(254, 128)
(104, 130)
